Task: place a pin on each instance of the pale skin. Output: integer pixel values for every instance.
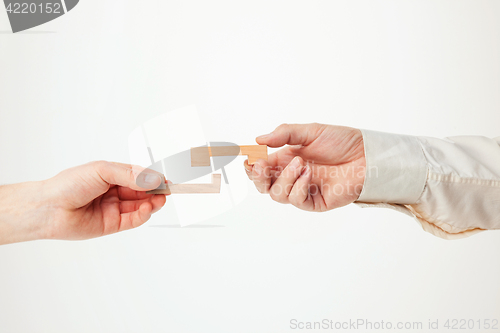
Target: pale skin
(92, 200)
(322, 167)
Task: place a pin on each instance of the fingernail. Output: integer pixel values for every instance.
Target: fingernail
(294, 164)
(258, 168)
(152, 179)
(306, 171)
(264, 137)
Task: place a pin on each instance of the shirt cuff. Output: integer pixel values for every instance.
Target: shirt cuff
(396, 168)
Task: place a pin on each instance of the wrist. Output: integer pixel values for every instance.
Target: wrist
(358, 165)
(360, 177)
(23, 212)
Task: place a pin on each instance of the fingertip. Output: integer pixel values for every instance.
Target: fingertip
(257, 169)
(158, 201)
(264, 137)
(163, 198)
(299, 195)
(259, 175)
(160, 197)
(300, 161)
(149, 180)
(248, 167)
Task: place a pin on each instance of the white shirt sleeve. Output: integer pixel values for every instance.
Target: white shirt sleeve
(451, 186)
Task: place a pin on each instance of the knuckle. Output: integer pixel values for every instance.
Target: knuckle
(99, 167)
(298, 198)
(295, 201)
(257, 183)
(278, 195)
(100, 164)
(282, 127)
(259, 186)
(273, 195)
(130, 174)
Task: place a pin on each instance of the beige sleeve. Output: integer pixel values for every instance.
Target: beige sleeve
(451, 186)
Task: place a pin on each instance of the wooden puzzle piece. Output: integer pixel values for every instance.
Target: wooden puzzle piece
(214, 187)
(200, 156)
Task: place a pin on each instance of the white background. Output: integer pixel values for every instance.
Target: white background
(72, 90)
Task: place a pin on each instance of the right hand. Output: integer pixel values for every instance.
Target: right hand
(322, 168)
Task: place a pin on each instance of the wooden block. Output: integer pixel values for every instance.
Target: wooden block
(200, 156)
(254, 153)
(214, 187)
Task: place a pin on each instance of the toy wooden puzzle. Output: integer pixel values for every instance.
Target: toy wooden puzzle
(200, 156)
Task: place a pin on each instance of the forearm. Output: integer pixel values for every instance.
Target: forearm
(23, 213)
